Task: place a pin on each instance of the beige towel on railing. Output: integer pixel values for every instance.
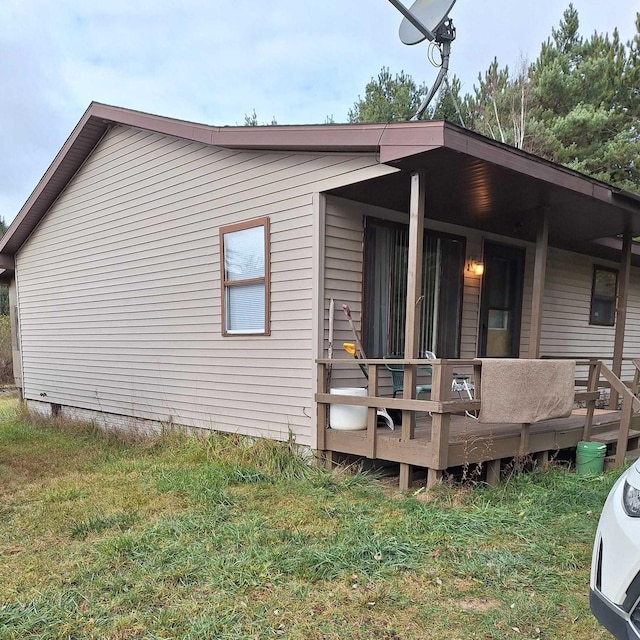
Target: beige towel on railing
(525, 391)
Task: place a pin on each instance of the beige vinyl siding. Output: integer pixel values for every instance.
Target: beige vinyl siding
(119, 286)
(567, 301)
(343, 268)
(470, 298)
(567, 298)
(632, 332)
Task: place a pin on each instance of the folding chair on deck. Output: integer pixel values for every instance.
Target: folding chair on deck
(397, 374)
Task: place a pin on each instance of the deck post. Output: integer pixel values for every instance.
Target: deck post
(414, 299)
(592, 385)
(621, 312)
(525, 436)
(434, 476)
(493, 472)
(539, 276)
(321, 407)
(321, 419)
(623, 434)
(440, 423)
(372, 412)
(542, 459)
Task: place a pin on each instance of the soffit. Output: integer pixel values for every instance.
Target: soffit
(477, 193)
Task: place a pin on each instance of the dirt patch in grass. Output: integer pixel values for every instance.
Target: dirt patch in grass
(477, 605)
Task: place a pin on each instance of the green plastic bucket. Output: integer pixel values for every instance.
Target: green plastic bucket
(590, 457)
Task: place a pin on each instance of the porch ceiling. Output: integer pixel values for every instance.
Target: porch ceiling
(482, 194)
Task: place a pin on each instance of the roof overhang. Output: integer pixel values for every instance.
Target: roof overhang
(473, 181)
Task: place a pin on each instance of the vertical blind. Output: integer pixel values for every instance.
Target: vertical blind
(386, 263)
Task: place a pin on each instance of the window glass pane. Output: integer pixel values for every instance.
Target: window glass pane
(378, 289)
(603, 297)
(450, 292)
(386, 292)
(498, 319)
(245, 308)
(605, 284)
(244, 254)
(602, 311)
(500, 283)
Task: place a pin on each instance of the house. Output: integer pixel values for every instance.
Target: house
(170, 272)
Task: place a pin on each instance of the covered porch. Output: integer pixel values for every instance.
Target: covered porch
(509, 210)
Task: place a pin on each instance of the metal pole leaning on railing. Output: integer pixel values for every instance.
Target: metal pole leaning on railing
(347, 312)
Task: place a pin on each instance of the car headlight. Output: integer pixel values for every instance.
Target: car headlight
(631, 500)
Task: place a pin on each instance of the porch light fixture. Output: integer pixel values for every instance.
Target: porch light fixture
(475, 267)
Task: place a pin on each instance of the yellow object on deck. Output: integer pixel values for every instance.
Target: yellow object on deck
(350, 348)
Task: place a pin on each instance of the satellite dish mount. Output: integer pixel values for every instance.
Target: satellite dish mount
(428, 20)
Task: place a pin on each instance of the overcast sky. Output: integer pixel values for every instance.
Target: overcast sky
(214, 61)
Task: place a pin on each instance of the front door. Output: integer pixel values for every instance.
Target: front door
(501, 301)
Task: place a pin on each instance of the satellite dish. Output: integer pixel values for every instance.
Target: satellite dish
(429, 20)
(431, 14)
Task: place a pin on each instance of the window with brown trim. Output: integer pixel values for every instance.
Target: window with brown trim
(244, 261)
(604, 289)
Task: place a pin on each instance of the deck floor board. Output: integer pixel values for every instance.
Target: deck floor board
(471, 441)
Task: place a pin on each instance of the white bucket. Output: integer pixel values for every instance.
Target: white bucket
(345, 417)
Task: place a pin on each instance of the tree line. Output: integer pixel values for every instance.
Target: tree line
(577, 104)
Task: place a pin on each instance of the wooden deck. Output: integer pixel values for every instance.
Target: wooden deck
(471, 442)
(436, 434)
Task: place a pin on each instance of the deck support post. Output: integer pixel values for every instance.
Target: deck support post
(542, 459)
(539, 276)
(321, 408)
(405, 476)
(623, 434)
(621, 313)
(434, 476)
(327, 457)
(493, 472)
(329, 460)
(525, 433)
(414, 300)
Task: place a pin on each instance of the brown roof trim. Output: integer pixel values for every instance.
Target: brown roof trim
(399, 144)
(70, 158)
(391, 141)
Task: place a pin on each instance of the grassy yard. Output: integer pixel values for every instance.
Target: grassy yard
(218, 538)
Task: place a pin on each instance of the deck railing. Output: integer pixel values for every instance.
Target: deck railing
(441, 405)
(630, 403)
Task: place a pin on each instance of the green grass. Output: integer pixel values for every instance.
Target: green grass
(224, 538)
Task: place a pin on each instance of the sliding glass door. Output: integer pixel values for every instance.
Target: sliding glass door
(385, 277)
